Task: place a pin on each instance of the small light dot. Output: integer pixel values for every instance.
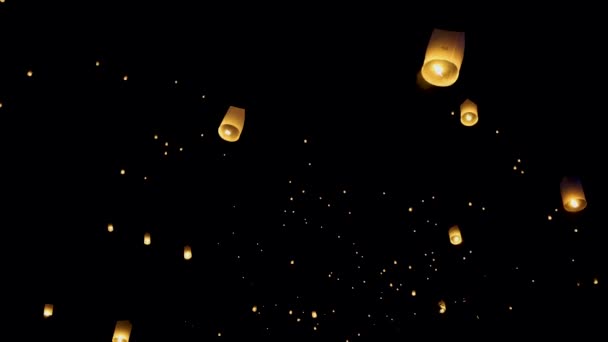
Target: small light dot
(122, 172)
(125, 77)
(410, 209)
(515, 167)
(167, 143)
(219, 334)
(519, 161)
(576, 230)
(175, 81)
(452, 113)
(30, 73)
(181, 149)
(496, 131)
(0, 104)
(292, 262)
(549, 217)
(305, 141)
(155, 136)
(470, 204)
(97, 63)
(254, 309)
(596, 281)
(203, 96)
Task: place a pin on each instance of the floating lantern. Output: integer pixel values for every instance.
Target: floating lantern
(468, 113)
(232, 125)
(187, 253)
(442, 307)
(48, 310)
(573, 197)
(110, 227)
(443, 58)
(147, 239)
(455, 237)
(122, 332)
(313, 314)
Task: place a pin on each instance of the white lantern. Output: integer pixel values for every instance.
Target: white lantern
(232, 125)
(443, 58)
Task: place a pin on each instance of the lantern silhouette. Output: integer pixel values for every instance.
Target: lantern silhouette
(455, 237)
(232, 125)
(122, 332)
(147, 239)
(573, 197)
(443, 58)
(48, 310)
(468, 113)
(187, 253)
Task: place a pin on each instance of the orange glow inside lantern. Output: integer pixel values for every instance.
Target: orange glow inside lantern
(187, 253)
(232, 125)
(573, 197)
(443, 58)
(455, 236)
(147, 239)
(122, 332)
(48, 310)
(468, 113)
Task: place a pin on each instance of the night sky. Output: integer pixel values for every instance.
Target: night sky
(333, 207)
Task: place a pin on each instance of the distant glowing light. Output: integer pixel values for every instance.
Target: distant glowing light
(187, 253)
(125, 77)
(313, 314)
(413, 293)
(155, 136)
(549, 217)
(254, 309)
(122, 172)
(292, 262)
(410, 209)
(110, 227)
(30, 73)
(596, 281)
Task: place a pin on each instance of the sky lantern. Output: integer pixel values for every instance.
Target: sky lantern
(442, 306)
(443, 58)
(455, 237)
(573, 197)
(468, 113)
(232, 125)
(147, 239)
(122, 332)
(48, 310)
(187, 252)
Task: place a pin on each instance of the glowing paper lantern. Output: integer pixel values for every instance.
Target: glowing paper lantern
(232, 125)
(110, 227)
(187, 253)
(443, 58)
(122, 332)
(147, 239)
(442, 306)
(468, 113)
(313, 314)
(455, 237)
(48, 310)
(573, 197)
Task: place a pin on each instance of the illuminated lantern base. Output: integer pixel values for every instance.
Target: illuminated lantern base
(573, 196)
(440, 73)
(468, 113)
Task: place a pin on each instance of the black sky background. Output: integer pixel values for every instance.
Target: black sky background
(345, 80)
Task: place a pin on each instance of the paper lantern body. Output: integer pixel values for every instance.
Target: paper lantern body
(147, 239)
(48, 310)
(443, 58)
(232, 125)
(468, 113)
(455, 237)
(187, 253)
(122, 332)
(573, 197)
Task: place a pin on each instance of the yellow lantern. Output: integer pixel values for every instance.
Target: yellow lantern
(468, 113)
(147, 239)
(443, 58)
(48, 310)
(442, 307)
(455, 237)
(122, 332)
(110, 227)
(187, 252)
(313, 314)
(573, 197)
(232, 125)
